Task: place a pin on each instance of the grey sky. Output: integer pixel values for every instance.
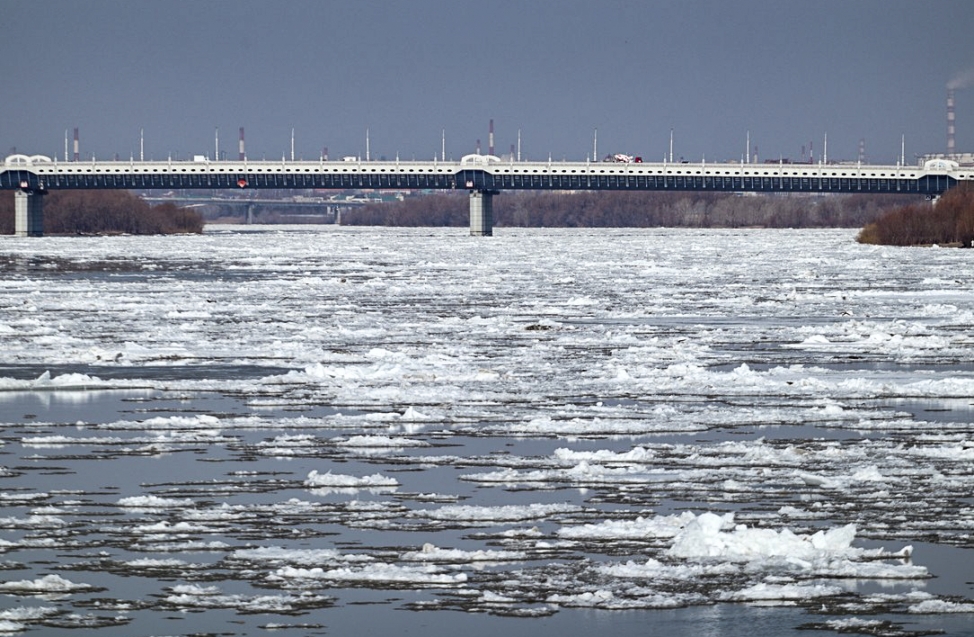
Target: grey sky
(788, 72)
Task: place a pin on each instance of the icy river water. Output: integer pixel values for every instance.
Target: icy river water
(367, 431)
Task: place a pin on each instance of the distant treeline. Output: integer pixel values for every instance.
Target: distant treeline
(104, 212)
(620, 209)
(949, 221)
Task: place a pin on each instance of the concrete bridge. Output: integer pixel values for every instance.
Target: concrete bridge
(482, 176)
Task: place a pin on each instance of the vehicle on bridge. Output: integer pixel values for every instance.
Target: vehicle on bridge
(622, 158)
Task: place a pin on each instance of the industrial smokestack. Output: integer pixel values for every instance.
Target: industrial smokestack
(490, 139)
(77, 154)
(950, 121)
(241, 154)
(478, 146)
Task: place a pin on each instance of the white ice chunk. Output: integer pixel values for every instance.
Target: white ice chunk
(329, 479)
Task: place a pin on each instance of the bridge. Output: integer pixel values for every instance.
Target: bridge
(482, 176)
(326, 209)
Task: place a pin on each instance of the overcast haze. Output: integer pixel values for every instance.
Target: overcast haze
(788, 72)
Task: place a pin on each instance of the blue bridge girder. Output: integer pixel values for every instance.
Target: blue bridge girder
(924, 185)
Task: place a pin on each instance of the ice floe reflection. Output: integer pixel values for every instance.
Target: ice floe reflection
(274, 423)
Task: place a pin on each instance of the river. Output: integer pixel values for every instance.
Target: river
(326, 430)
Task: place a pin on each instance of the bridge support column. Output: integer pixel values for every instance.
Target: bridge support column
(29, 213)
(250, 213)
(482, 213)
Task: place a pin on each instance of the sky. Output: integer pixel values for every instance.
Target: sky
(183, 76)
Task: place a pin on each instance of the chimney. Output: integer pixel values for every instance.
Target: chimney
(241, 155)
(950, 121)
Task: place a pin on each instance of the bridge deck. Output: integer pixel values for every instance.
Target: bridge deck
(843, 178)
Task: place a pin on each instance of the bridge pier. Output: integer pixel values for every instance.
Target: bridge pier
(482, 213)
(250, 213)
(29, 213)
